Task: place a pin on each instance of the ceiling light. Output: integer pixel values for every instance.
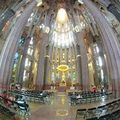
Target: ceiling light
(80, 1)
(47, 30)
(62, 16)
(39, 3)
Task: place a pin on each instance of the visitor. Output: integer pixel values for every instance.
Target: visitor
(94, 89)
(12, 85)
(22, 105)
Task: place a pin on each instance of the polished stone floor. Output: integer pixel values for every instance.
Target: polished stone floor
(59, 108)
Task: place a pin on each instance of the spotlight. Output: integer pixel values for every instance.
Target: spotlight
(39, 3)
(80, 1)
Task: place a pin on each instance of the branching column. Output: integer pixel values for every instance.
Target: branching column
(84, 61)
(82, 58)
(41, 64)
(11, 45)
(46, 65)
(112, 47)
(21, 70)
(78, 60)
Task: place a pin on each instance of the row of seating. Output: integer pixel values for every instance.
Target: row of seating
(34, 96)
(83, 97)
(88, 93)
(6, 112)
(20, 109)
(18, 106)
(110, 111)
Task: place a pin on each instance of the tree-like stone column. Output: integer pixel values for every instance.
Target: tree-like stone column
(11, 44)
(42, 61)
(84, 61)
(110, 42)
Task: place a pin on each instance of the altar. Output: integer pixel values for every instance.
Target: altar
(63, 69)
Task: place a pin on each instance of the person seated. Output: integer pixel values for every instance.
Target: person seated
(17, 86)
(10, 101)
(73, 95)
(79, 96)
(44, 94)
(4, 97)
(12, 86)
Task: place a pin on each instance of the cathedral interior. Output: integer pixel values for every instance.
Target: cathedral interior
(59, 59)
